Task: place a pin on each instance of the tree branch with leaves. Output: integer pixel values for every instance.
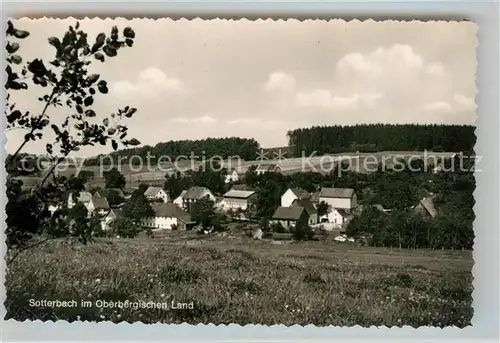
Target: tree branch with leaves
(68, 84)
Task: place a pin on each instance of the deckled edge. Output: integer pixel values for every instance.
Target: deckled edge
(217, 18)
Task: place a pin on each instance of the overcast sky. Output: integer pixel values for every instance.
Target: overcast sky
(197, 79)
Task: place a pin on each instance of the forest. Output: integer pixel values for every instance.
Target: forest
(381, 137)
(246, 149)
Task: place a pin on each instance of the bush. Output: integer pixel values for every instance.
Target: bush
(302, 232)
(125, 228)
(277, 227)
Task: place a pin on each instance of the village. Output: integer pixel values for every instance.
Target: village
(324, 210)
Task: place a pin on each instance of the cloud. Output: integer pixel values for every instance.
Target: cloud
(464, 102)
(323, 98)
(203, 120)
(150, 83)
(398, 59)
(280, 81)
(458, 103)
(439, 106)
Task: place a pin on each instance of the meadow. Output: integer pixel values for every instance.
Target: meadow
(234, 279)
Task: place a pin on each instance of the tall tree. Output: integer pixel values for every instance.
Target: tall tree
(114, 179)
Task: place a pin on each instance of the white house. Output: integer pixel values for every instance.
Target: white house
(293, 194)
(340, 198)
(337, 217)
(166, 216)
(84, 197)
(232, 176)
(153, 193)
(193, 194)
(98, 205)
(237, 199)
(267, 167)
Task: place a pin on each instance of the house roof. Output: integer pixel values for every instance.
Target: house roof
(182, 194)
(170, 210)
(306, 204)
(428, 205)
(83, 197)
(336, 193)
(234, 193)
(300, 193)
(288, 213)
(344, 213)
(195, 193)
(152, 191)
(100, 203)
(267, 167)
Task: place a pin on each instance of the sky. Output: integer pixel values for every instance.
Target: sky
(259, 79)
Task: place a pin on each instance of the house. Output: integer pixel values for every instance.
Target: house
(309, 207)
(289, 216)
(112, 215)
(341, 198)
(154, 193)
(98, 205)
(232, 176)
(237, 199)
(178, 201)
(426, 207)
(193, 194)
(338, 217)
(267, 167)
(102, 192)
(167, 217)
(293, 194)
(83, 197)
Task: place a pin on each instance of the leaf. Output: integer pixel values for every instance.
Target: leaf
(132, 142)
(109, 51)
(102, 86)
(36, 67)
(13, 116)
(111, 131)
(91, 90)
(98, 56)
(90, 113)
(105, 121)
(100, 39)
(12, 47)
(128, 32)
(114, 144)
(55, 63)
(79, 109)
(88, 101)
(16, 59)
(77, 26)
(92, 78)
(48, 148)
(55, 42)
(10, 28)
(129, 42)
(21, 34)
(131, 112)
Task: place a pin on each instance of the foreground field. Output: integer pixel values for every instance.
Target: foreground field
(237, 280)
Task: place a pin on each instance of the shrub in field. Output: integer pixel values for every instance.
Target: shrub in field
(302, 231)
(124, 227)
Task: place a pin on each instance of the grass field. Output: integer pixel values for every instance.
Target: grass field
(239, 280)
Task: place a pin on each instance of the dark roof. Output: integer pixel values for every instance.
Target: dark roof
(288, 213)
(344, 213)
(170, 210)
(100, 203)
(307, 204)
(336, 193)
(195, 193)
(300, 193)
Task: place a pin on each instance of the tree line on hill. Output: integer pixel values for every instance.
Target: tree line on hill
(381, 137)
(245, 148)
